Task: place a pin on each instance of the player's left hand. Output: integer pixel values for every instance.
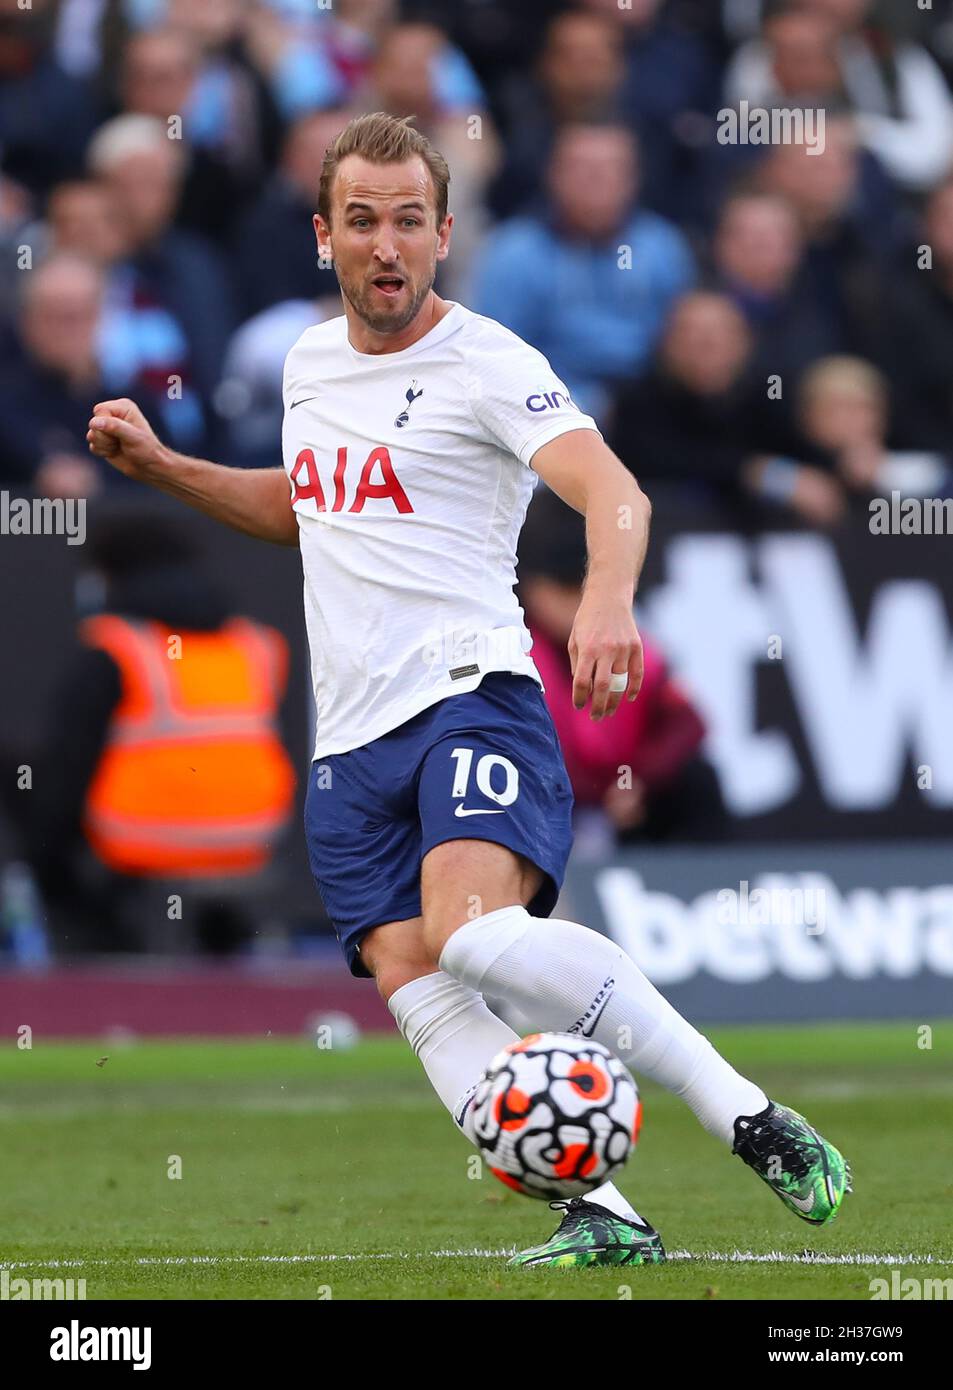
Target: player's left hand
(604, 642)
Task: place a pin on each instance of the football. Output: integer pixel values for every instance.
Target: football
(556, 1115)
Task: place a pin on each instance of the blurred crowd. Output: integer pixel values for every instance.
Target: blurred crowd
(764, 327)
(769, 325)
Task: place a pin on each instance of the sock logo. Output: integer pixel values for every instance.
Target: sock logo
(586, 1025)
(463, 1105)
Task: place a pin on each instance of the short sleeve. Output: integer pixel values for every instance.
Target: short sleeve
(516, 398)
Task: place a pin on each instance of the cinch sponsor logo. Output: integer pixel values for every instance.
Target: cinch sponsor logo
(548, 400)
(75, 1343)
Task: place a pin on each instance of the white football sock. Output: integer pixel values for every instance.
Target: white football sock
(456, 1036)
(572, 979)
(453, 1033)
(609, 1196)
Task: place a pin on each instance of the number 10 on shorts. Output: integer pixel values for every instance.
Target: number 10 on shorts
(463, 757)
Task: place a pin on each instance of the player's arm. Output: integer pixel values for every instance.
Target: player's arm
(256, 501)
(582, 470)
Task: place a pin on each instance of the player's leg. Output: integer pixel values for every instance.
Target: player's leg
(364, 842)
(454, 1034)
(493, 793)
(447, 1024)
(363, 836)
(498, 777)
(456, 797)
(566, 976)
(555, 970)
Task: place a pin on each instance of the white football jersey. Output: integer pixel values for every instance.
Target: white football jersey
(410, 478)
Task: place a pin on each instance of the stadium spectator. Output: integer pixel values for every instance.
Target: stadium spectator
(420, 73)
(313, 62)
(848, 216)
(742, 18)
(249, 398)
(844, 415)
(758, 262)
(895, 90)
(669, 71)
(671, 83)
(231, 108)
(48, 384)
(275, 255)
(499, 38)
(578, 78)
(590, 282)
(208, 109)
(16, 210)
(910, 330)
(161, 764)
(169, 307)
(795, 62)
(702, 417)
(641, 770)
(80, 217)
(46, 115)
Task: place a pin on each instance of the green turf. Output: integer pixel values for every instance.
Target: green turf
(290, 1150)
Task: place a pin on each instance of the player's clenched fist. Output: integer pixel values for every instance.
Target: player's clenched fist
(119, 432)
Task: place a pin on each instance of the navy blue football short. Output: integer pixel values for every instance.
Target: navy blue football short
(482, 765)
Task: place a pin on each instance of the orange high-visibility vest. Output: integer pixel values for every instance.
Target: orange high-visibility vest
(194, 779)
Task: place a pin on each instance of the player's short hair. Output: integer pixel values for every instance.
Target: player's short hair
(383, 139)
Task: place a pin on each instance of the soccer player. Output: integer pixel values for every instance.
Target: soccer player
(438, 810)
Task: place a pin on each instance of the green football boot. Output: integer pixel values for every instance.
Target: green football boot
(808, 1174)
(590, 1235)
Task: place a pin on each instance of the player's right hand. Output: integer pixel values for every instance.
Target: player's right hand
(121, 434)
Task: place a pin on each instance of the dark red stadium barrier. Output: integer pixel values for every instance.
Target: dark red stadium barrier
(185, 1000)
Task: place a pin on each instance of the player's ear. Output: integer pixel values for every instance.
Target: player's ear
(322, 235)
(443, 237)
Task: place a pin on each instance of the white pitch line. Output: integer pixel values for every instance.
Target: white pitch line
(806, 1257)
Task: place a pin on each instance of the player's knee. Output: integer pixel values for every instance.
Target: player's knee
(396, 958)
(392, 976)
(438, 929)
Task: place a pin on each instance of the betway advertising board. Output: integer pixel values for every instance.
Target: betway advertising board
(808, 932)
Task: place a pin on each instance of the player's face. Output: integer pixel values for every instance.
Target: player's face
(384, 239)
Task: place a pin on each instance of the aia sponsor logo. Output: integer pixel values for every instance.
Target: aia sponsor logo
(377, 480)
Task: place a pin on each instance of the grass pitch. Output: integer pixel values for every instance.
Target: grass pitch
(321, 1174)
